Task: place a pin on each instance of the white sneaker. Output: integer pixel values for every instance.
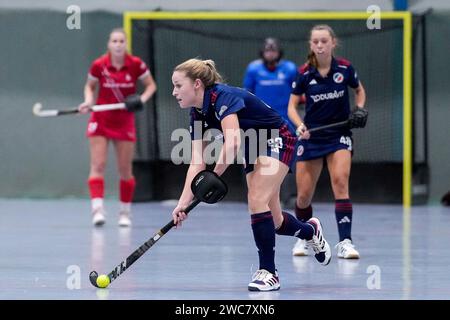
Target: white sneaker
(98, 217)
(263, 280)
(300, 248)
(124, 218)
(319, 244)
(346, 250)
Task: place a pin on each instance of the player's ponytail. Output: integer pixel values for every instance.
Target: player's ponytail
(205, 70)
(212, 75)
(312, 60)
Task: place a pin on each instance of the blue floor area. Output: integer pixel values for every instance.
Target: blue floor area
(49, 247)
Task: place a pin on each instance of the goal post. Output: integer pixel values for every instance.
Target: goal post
(401, 20)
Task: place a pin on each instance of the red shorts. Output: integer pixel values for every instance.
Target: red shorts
(116, 124)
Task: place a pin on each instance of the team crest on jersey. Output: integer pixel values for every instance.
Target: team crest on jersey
(105, 73)
(128, 77)
(300, 150)
(338, 77)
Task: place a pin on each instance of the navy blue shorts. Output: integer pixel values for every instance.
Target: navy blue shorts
(281, 146)
(314, 149)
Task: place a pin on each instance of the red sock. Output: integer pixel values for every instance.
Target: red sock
(96, 187)
(127, 190)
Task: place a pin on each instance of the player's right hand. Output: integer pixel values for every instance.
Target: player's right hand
(134, 103)
(358, 117)
(84, 107)
(179, 215)
(302, 132)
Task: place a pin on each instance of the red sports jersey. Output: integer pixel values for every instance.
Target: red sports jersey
(114, 86)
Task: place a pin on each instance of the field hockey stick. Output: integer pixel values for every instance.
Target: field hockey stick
(206, 186)
(37, 109)
(332, 125)
(124, 265)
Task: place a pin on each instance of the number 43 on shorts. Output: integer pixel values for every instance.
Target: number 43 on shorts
(347, 141)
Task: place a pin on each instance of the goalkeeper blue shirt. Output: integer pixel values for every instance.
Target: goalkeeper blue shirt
(272, 86)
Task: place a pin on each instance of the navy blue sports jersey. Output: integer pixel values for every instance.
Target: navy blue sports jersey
(272, 86)
(327, 99)
(221, 100)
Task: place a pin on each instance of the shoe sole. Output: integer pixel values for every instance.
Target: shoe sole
(350, 256)
(300, 254)
(260, 290)
(99, 223)
(325, 262)
(124, 225)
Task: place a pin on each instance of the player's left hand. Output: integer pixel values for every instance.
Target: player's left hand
(358, 118)
(179, 215)
(302, 132)
(133, 103)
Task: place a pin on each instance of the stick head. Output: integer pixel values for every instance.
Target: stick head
(37, 108)
(93, 278)
(208, 187)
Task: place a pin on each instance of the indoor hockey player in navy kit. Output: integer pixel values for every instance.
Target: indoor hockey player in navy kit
(324, 80)
(197, 85)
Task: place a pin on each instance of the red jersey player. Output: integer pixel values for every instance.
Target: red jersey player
(115, 75)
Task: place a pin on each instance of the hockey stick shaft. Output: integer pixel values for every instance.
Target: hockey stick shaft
(107, 107)
(332, 125)
(37, 109)
(139, 252)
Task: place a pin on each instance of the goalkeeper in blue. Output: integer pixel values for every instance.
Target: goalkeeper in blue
(324, 80)
(270, 77)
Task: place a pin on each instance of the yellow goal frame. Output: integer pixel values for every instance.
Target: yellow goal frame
(405, 16)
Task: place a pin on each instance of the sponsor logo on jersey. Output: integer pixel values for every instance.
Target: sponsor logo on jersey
(128, 77)
(118, 85)
(313, 81)
(300, 150)
(281, 75)
(338, 77)
(273, 82)
(327, 96)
